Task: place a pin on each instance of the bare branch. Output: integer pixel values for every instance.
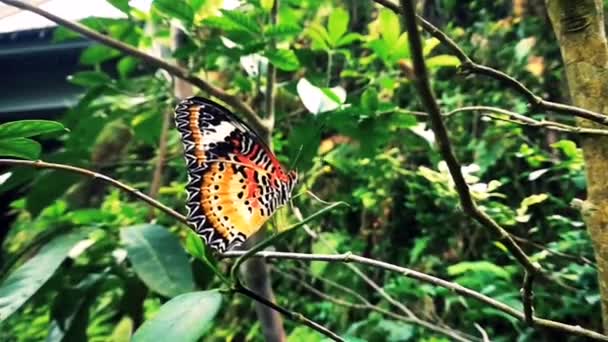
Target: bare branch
(172, 69)
(366, 305)
(445, 148)
(553, 252)
(525, 120)
(527, 298)
(39, 164)
(468, 65)
(295, 316)
(426, 278)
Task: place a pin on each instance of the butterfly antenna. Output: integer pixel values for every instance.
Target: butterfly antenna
(315, 197)
(298, 155)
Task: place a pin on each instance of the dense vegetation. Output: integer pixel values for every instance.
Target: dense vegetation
(350, 120)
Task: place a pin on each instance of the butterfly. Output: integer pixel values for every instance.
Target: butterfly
(235, 183)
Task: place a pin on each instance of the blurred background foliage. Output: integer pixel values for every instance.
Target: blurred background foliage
(347, 120)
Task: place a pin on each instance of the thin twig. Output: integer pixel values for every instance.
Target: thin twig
(366, 305)
(443, 141)
(295, 316)
(355, 269)
(468, 65)
(172, 69)
(527, 298)
(39, 164)
(525, 120)
(484, 334)
(572, 257)
(426, 278)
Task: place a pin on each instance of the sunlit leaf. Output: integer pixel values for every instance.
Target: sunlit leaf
(337, 24)
(478, 266)
(267, 4)
(442, 61)
(178, 9)
(389, 26)
(283, 59)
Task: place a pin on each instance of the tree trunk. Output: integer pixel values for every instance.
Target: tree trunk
(579, 27)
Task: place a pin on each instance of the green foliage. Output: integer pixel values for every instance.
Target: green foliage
(26, 280)
(158, 259)
(184, 318)
(346, 119)
(14, 137)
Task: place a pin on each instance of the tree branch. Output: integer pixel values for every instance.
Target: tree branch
(426, 278)
(524, 120)
(232, 100)
(445, 148)
(527, 298)
(366, 305)
(295, 316)
(39, 164)
(468, 65)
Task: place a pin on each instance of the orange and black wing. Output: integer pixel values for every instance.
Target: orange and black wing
(235, 183)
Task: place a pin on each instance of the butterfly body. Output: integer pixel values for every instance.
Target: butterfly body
(235, 183)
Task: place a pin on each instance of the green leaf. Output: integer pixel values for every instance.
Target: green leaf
(20, 147)
(348, 39)
(442, 61)
(28, 128)
(195, 246)
(369, 99)
(319, 36)
(97, 54)
(122, 5)
(122, 331)
(184, 318)
(126, 66)
(282, 30)
(534, 199)
(389, 26)
(283, 59)
(25, 281)
(478, 266)
(177, 9)
(429, 45)
(90, 78)
(243, 21)
(337, 25)
(267, 4)
(420, 245)
(158, 259)
(568, 147)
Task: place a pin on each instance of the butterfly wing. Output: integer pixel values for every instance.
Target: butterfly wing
(235, 183)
